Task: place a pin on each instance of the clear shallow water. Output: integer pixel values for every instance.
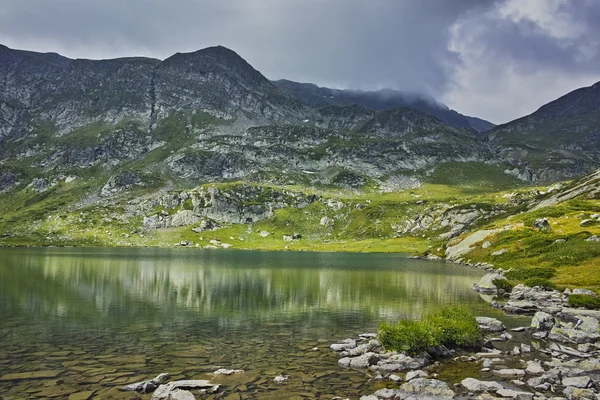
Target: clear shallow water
(96, 319)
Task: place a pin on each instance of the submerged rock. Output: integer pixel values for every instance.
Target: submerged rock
(283, 378)
(147, 386)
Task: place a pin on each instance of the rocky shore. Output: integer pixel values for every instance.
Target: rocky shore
(555, 356)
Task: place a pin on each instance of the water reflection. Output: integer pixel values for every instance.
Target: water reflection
(149, 284)
(102, 318)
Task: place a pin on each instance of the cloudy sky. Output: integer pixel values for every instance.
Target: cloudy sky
(495, 59)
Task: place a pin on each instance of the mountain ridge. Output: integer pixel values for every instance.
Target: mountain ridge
(383, 99)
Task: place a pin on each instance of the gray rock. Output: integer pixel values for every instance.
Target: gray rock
(486, 244)
(416, 374)
(283, 378)
(371, 346)
(572, 335)
(520, 307)
(574, 393)
(515, 394)
(500, 252)
(175, 394)
(345, 344)
(344, 362)
(388, 394)
(147, 386)
(364, 360)
(223, 371)
(576, 312)
(487, 324)
(423, 388)
(534, 368)
(577, 381)
(584, 291)
(542, 224)
(395, 378)
(542, 321)
(326, 221)
(176, 390)
(509, 372)
(486, 285)
(475, 385)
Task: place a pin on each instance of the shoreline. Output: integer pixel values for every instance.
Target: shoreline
(558, 353)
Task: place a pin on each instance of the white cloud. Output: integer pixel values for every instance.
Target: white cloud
(519, 56)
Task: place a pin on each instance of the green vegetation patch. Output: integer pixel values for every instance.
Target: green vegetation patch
(453, 327)
(585, 301)
(541, 282)
(528, 273)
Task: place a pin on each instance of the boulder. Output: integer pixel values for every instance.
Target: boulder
(283, 378)
(515, 394)
(486, 285)
(345, 344)
(416, 374)
(371, 346)
(574, 393)
(475, 385)
(326, 221)
(147, 386)
(577, 381)
(364, 360)
(487, 324)
(567, 334)
(426, 389)
(520, 307)
(224, 371)
(542, 321)
(534, 368)
(509, 372)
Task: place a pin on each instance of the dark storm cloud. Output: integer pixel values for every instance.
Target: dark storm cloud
(349, 43)
(491, 58)
(522, 54)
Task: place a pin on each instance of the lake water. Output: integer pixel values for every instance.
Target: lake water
(93, 320)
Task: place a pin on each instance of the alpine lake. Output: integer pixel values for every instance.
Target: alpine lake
(84, 322)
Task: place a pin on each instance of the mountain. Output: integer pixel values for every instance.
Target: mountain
(560, 140)
(140, 124)
(200, 117)
(384, 99)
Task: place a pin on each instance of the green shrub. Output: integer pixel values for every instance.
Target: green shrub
(526, 273)
(454, 327)
(584, 300)
(543, 282)
(406, 335)
(504, 284)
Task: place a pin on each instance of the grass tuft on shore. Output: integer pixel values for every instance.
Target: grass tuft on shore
(452, 327)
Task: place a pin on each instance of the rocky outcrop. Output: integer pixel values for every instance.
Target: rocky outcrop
(209, 206)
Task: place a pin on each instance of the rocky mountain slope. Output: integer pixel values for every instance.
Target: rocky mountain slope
(385, 99)
(201, 117)
(560, 140)
(109, 138)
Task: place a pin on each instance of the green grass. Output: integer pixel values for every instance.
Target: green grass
(452, 327)
(585, 301)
